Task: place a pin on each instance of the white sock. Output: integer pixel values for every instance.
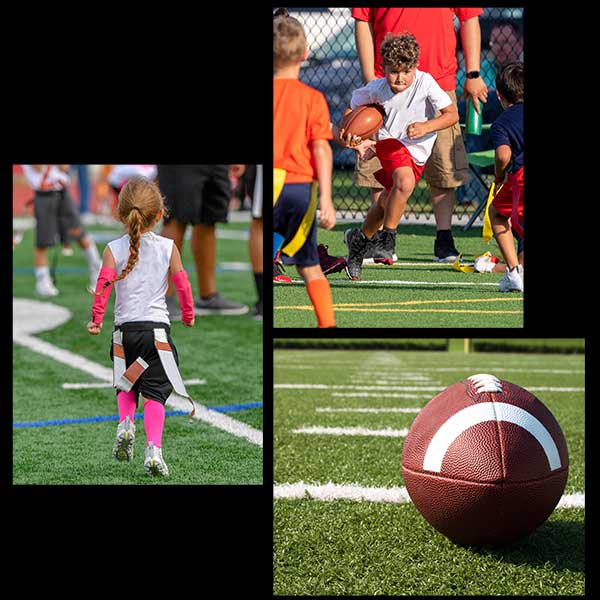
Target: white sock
(42, 273)
(92, 256)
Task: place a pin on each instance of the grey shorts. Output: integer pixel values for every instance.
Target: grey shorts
(56, 218)
(195, 194)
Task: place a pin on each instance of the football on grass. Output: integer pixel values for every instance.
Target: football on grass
(485, 462)
(363, 121)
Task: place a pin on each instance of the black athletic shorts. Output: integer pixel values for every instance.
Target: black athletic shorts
(195, 194)
(56, 216)
(138, 340)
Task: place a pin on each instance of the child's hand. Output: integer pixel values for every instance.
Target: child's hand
(349, 140)
(93, 328)
(366, 149)
(191, 323)
(326, 215)
(416, 130)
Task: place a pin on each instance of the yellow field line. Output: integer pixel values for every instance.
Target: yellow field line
(406, 303)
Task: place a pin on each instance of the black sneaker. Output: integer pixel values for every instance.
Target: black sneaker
(444, 249)
(257, 311)
(217, 305)
(357, 242)
(385, 246)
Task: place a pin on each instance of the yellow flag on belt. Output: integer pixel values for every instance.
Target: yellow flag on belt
(487, 225)
(462, 268)
(278, 183)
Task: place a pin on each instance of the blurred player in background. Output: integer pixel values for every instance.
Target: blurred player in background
(144, 356)
(302, 156)
(55, 211)
(198, 195)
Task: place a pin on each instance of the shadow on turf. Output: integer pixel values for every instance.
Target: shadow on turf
(559, 543)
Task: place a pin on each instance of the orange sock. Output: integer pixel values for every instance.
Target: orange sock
(319, 293)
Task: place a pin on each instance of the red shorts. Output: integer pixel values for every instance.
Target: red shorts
(393, 154)
(503, 200)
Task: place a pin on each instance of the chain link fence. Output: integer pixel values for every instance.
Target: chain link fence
(332, 67)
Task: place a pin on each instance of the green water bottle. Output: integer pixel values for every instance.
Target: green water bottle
(473, 118)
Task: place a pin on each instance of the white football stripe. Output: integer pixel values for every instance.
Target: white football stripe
(352, 431)
(480, 413)
(352, 491)
(379, 395)
(328, 409)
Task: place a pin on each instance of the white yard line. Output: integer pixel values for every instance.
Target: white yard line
(400, 388)
(84, 386)
(362, 431)
(396, 495)
(328, 409)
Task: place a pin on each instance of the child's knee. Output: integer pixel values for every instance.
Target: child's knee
(403, 181)
(310, 273)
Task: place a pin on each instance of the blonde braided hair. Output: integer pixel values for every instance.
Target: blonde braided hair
(140, 201)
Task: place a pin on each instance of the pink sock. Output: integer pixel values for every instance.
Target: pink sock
(154, 419)
(126, 404)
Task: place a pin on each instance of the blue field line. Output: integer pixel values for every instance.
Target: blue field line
(99, 419)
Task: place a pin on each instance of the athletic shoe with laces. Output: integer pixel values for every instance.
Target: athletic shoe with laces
(217, 305)
(154, 463)
(444, 249)
(385, 246)
(373, 254)
(329, 264)
(512, 281)
(278, 276)
(357, 242)
(44, 287)
(123, 448)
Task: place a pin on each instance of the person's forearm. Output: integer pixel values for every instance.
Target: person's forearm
(324, 166)
(470, 33)
(442, 122)
(365, 45)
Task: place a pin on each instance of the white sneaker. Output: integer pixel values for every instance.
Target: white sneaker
(45, 287)
(123, 448)
(154, 462)
(512, 280)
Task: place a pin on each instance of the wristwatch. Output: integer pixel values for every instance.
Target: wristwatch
(472, 74)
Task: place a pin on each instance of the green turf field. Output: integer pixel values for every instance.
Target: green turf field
(342, 546)
(223, 353)
(414, 292)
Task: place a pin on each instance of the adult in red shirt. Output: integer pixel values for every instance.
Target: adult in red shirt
(447, 168)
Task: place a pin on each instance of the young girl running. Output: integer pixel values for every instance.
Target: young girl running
(144, 357)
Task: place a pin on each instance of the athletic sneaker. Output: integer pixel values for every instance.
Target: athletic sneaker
(278, 276)
(512, 281)
(444, 249)
(123, 448)
(357, 242)
(217, 305)
(154, 463)
(385, 246)
(44, 287)
(329, 264)
(373, 254)
(173, 308)
(67, 251)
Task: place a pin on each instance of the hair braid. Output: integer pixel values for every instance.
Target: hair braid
(134, 224)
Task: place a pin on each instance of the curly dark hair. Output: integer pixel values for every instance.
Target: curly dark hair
(400, 50)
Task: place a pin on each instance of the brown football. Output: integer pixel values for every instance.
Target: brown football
(485, 462)
(364, 121)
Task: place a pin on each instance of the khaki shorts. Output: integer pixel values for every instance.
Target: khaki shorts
(447, 167)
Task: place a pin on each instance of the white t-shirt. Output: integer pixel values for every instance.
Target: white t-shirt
(141, 295)
(48, 179)
(417, 103)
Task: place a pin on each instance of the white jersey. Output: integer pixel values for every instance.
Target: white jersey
(141, 295)
(48, 179)
(119, 174)
(417, 103)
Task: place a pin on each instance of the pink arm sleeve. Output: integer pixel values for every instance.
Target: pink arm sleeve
(103, 288)
(184, 293)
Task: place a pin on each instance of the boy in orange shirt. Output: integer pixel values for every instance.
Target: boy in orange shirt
(301, 157)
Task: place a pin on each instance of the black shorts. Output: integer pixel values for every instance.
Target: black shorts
(56, 217)
(195, 194)
(138, 340)
(294, 219)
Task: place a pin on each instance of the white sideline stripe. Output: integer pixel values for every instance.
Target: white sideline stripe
(396, 495)
(320, 386)
(352, 431)
(83, 386)
(343, 282)
(327, 409)
(379, 395)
